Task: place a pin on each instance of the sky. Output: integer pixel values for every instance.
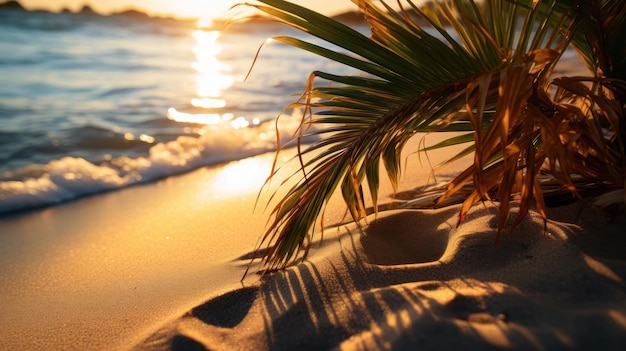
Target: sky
(181, 8)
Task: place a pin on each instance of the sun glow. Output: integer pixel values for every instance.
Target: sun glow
(200, 118)
(205, 10)
(212, 78)
(244, 176)
(213, 75)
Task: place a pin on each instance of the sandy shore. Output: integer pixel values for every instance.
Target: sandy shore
(104, 272)
(158, 267)
(410, 281)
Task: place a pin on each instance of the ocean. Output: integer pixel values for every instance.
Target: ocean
(94, 103)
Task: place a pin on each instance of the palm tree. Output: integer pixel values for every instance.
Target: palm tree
(481, 69)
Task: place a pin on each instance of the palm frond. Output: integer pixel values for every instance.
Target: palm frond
(597, 143)
(451, 66)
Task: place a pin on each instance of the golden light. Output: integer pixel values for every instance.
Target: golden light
(212, 78)
(213, 75)
(204, 10)
(244, 176)
(239, 122)
(200, 118)
(208, 103)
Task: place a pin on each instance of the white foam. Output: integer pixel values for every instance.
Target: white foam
(72, 177)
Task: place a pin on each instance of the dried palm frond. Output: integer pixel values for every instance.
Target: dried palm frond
(450, 66)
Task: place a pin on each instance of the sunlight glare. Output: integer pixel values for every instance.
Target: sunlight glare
(208, 103)
(212, 78)
(239, 123)
(204, 10)
(213, 75)
(200, 118)
(245, 176)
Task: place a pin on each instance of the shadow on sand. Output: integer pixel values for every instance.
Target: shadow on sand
(406, 283)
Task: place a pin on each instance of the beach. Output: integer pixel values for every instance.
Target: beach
(122, 228)
(536, 291)
(160, 267)
(103, 272)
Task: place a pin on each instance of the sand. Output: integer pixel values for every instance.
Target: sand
(410, 281)
(158, 267)
(103, 272)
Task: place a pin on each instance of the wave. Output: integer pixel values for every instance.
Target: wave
(68, 178)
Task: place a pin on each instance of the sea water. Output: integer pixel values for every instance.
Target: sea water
(94, 103)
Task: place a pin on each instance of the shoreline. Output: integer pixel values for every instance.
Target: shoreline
(99, 272)
(158, 266)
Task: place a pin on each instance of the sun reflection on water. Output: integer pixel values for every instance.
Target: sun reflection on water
(213, 77)
(200, 118)
(208, 102)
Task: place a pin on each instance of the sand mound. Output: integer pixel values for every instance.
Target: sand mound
(412, 280)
